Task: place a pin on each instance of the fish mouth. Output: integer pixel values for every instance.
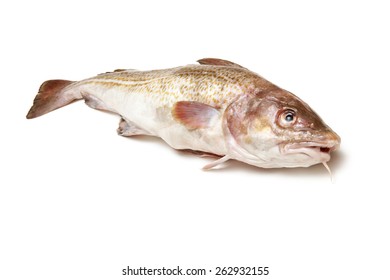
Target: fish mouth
(317, 150)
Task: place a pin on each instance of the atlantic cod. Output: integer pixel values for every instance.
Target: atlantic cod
(217, 107)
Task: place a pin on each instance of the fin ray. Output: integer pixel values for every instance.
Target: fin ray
(218, 62)
(194, 114)
(128, 129)
(51, 96)
(94, 102)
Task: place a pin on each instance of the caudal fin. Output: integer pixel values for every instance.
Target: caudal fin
(52, 95)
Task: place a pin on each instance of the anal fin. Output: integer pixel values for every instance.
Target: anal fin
(200, 153)
(94, 102)
(127, 129)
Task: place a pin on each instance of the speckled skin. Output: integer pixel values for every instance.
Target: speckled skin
(241, 112)
(215, 86)
(146, 98)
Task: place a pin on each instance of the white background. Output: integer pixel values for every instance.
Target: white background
(79, 202)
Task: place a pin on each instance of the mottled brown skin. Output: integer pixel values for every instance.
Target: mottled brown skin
(218, 107)
(308, 127)
(254, 123)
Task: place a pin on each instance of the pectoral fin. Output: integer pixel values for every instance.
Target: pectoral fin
(194, 114)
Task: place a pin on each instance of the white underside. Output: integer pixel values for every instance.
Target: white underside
(274, 158)
(146, 112)
(157, 120)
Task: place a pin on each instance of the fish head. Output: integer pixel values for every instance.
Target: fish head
(277, 129)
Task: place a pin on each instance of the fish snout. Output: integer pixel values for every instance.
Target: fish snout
(333, 137)
(330, 140)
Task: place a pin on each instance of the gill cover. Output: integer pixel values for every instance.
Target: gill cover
(236, 124)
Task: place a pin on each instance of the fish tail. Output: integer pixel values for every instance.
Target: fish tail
(53, 94)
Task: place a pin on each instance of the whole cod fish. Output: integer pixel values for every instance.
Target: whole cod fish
(217, 107)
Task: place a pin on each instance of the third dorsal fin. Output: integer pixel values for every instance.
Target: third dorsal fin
(218, 62)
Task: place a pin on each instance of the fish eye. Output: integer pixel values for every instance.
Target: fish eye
(287, 118)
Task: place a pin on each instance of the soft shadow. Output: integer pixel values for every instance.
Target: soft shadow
(337, 160)
(146, 138)
(313, 171)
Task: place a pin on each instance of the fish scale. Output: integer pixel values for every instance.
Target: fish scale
(218, 107)
(169, 89)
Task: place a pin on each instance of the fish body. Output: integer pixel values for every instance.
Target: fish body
(217, 107)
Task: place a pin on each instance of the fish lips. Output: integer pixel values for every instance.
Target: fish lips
(319, 151)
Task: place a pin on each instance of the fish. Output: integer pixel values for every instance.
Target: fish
(215, 107)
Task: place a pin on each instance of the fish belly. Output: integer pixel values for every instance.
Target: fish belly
(150, 113)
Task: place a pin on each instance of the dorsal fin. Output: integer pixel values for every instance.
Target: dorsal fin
(118, 70)
(218, 62)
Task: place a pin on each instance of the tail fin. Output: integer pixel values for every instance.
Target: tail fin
(52, 96)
